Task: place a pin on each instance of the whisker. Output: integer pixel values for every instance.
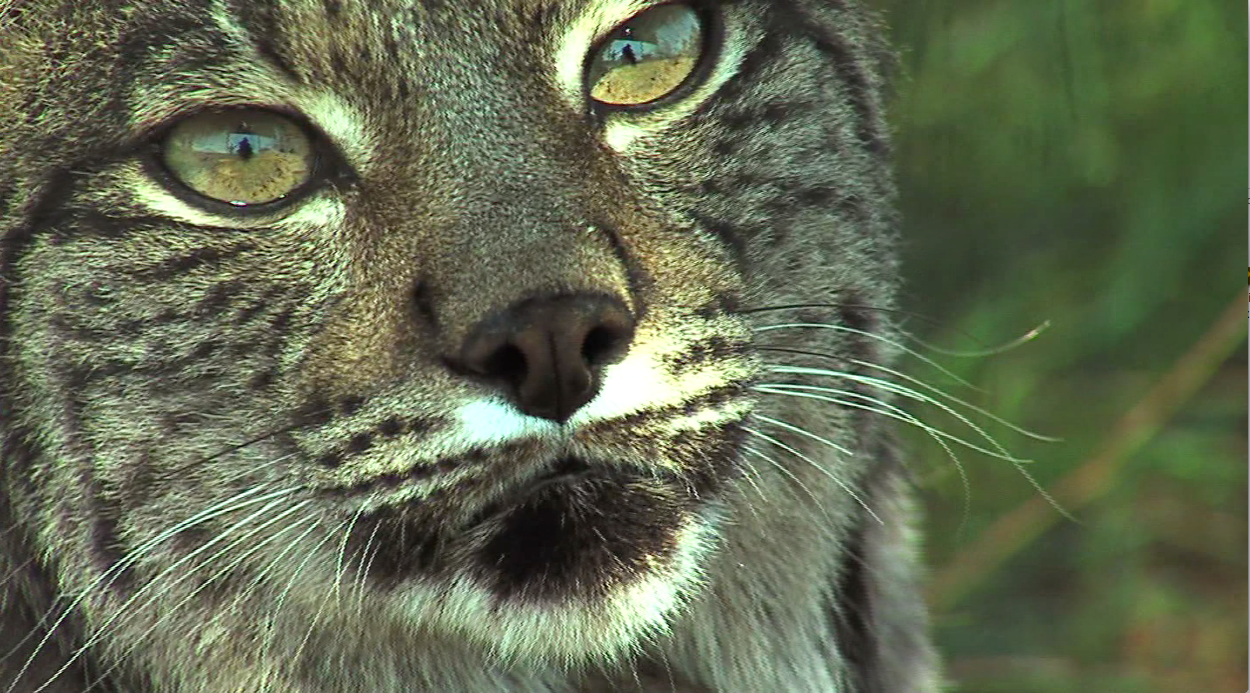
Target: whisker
(13, 574)
(258, 439)
(849, 360)
(809, 434)
(921, 383)
(912, 394)
(221, 508)
(749, 474)
(989, 415)
(312, 525)
(253, 470)
(781, 468)
(138, 551)
(826, 472)
(347, 533)
(222, 571)
(362, 568)
(840, 306)
(125, 606)
(989, 351)
(870, 335)
(299, 570)
(901, 390)
(893, 412)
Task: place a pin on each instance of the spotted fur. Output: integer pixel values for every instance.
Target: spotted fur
(239, 456)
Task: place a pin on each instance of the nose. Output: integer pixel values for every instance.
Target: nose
(548, 353)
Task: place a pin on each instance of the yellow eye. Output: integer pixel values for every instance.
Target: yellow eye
(243, 157)
(647, 57)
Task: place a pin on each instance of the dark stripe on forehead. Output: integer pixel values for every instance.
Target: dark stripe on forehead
(265, 28)
(145, 38)
(848, 55)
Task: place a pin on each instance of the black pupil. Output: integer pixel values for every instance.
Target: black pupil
(244, 149)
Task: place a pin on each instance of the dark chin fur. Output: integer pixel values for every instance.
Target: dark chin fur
(579, 538)
(572, 534)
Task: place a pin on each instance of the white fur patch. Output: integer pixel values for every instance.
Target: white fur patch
(491, 422)
(631, 385)
(342, 122)
(321, 210)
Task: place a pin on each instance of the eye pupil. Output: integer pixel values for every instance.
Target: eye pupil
(244, 149)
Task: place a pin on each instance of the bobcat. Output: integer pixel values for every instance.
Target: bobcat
(419, 346)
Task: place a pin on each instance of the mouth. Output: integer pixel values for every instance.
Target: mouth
(574, 530)
(577, 531)
(567, 471)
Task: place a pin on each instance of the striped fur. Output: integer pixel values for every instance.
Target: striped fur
(235, 456)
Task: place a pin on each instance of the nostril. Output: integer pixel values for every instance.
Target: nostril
(601, 344)
(547, 352)
(423, 303)
(508, 361)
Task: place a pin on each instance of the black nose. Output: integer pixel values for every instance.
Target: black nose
(549, 352)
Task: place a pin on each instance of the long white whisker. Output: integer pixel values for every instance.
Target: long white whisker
(277, 610)
(826, 472)
(13, 574)
(932, 388)
(781, 468)
(362, 568)
(809, 434)
(893, 412)
(918, 396)
(223, 570)
(897, 389)
(989, 351)
(749, 475)
(276, 560)
(338, 567)
(116, 570)
(889, 410)
(124, 607)
(973, 407)
(225, 506)
(870, 335)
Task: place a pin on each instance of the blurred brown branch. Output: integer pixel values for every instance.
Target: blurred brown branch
(1094, 477)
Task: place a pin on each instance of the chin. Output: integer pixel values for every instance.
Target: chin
(579, 566)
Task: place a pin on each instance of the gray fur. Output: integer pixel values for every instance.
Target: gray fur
(154, 367)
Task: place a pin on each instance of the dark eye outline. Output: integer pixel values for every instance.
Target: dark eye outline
(711, 24)
(324, 160)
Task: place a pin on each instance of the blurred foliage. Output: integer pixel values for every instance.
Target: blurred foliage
(1081, 163)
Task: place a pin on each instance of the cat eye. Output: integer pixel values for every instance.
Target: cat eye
(241, 157)
(646, 58)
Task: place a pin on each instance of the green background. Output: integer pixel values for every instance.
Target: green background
(1080, 164)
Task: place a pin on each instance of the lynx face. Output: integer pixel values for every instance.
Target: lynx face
(395, 346)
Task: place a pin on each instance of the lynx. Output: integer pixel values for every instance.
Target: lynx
(418, 346)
